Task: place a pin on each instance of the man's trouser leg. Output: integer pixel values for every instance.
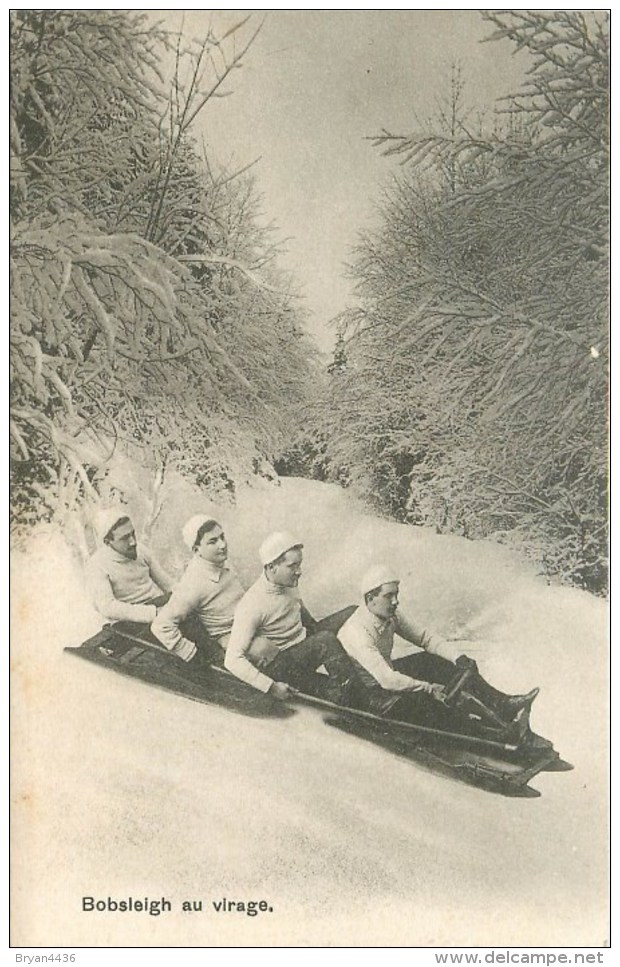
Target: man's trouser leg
(487, 694)
(428, 668)
(433, 668)
(209, 650)
(298, 665)
(418, 708)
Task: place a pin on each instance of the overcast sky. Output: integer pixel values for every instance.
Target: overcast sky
(314, 86)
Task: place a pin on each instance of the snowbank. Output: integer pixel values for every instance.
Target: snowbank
(121, 790)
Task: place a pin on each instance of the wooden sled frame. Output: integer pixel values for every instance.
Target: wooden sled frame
(480, 760)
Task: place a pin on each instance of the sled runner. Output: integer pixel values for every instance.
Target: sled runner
(491, 763)
(475, 750)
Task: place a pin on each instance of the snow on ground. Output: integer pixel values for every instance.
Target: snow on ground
(123, 790)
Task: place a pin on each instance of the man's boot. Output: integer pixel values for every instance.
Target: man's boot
(506, 706)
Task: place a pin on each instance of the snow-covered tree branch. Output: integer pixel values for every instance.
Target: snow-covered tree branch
(480, 340)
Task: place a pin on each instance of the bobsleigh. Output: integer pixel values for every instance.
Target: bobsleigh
(473, 746)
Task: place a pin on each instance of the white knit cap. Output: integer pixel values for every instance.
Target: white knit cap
(275, 545)
(107, 517)
(377, 575)
(191, 528)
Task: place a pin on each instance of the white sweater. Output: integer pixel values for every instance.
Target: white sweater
(123, 590)
(369, 640)
(267, 621)
(211, 593)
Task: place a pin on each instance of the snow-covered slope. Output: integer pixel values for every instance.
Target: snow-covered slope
(122, 790)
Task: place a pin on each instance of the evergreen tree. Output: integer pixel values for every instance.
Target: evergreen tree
(146, 312)
(475, 392)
